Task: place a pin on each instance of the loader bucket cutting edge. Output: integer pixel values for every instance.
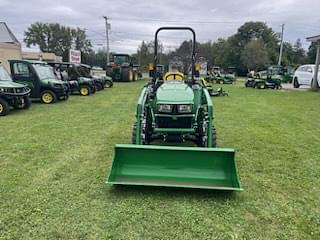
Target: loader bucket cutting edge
(187, 167)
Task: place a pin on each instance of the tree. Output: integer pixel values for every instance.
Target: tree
(255, 55)
(56, 38)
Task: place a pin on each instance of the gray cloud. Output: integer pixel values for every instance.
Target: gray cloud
(134, 21)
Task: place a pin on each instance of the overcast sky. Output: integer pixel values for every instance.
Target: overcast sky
(133, 21)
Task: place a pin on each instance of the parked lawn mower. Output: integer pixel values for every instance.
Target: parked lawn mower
(121, 68)
(73, 76)
(212, 91)
(39, 77)
(265, 79)
(12, 94)
(230, 76)
(174, 110)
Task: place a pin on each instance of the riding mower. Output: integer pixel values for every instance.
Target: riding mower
(263, 80)
(172, 111)
(213, 92)
(230, 76)
(12, 94)
(70, 73)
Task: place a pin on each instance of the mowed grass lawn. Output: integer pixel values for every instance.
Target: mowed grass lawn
(54, 160)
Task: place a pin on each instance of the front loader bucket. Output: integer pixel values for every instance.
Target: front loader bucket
(189, 167)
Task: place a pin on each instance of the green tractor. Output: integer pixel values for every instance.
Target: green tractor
(39, 77)
(12, 94)
(121, 68)
(170, 111)
(72, 74)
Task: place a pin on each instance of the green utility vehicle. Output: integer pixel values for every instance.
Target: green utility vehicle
(174, 111)
(12, 94)
(101, 82)
(72, 74)
(39, 77)
(121, 68)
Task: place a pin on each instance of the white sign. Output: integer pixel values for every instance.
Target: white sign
(204, 68)
(74, 56)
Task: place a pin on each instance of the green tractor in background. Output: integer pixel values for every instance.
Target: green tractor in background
(12, 94)
(173, 110)
(121, 68)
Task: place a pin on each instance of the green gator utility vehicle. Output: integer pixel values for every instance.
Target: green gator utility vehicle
(172, 111)
(101, 82)
(12, 94)
(39, 77)
(72, 74)
(121, 68)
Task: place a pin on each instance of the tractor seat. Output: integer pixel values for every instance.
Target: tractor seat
(174, 76)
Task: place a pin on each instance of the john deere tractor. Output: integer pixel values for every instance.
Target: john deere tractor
(174, 110)
(12, 94)
(121, 68)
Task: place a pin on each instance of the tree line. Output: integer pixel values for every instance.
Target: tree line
(254, 46)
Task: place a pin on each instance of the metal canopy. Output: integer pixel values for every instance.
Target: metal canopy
(313, 39)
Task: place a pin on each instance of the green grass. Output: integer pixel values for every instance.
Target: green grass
(54, 160)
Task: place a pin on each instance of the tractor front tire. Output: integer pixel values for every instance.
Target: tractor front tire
(4, 107)
(134, 133)
(214, 137)
(48, 97)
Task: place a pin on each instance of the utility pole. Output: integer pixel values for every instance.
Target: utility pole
(281, 44)
(107, 37)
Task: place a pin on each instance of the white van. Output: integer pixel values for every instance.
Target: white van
(304, 75)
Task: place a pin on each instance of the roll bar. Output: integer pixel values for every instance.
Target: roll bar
(193, 57)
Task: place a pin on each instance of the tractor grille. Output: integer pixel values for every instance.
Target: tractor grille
(182, 122)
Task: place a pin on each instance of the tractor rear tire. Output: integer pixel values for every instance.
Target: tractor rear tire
(4, 107)
(127, 75)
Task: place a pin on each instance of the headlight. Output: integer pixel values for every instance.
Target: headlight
(167, 108)
(56, 85)
(184, 108)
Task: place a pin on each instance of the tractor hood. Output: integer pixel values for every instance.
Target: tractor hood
(10, 84)
(175, 92)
